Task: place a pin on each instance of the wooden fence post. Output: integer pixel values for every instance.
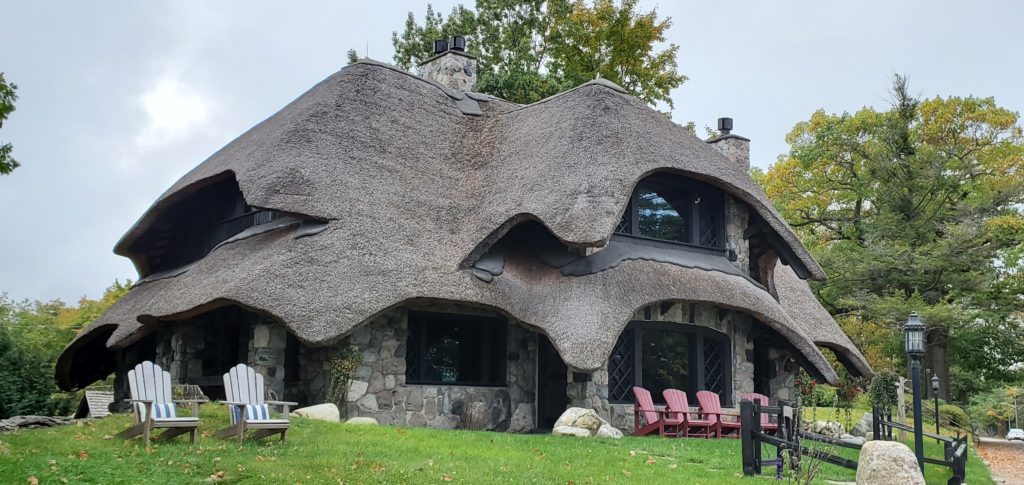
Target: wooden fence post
(747, 437)
(901, 409)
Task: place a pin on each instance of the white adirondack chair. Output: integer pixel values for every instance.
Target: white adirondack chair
(248, 409)
(150, 387)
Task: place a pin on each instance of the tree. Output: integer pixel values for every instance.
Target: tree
(531, 49)
(352, 56)
(32, 336)
(916, 208)
(8, 96)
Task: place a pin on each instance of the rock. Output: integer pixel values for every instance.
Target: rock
(887, 462)
(367, 403)
(608, 431)
(585, 419)
(356, 390)
(323, 412)
(853, 440)
(571, 431)
(864, 426)
(831, 429)
(522, 419)
(389, 381)
(361, 420)
(580, 418)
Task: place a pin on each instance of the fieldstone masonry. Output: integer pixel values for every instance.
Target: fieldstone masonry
(378, 389)
(266, 353)
(180, 352)
(734, 147)
(454, 69)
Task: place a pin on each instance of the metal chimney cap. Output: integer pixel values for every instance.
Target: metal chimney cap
(440, 45)
(458, 43)
(724, 125)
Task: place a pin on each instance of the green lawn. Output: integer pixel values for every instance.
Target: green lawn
(319, 452)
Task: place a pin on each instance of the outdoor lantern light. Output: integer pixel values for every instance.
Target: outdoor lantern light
(935, 384)
(914, 330)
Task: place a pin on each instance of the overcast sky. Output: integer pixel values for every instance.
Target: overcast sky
(120, 99)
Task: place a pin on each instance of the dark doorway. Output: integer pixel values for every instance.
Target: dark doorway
(552, 377)
(762, 369)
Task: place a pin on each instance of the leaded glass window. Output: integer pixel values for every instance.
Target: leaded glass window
(659, 356)
(671, 208)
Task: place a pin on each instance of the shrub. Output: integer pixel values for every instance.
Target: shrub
(955, 415)
(882, 390)
(823, 395)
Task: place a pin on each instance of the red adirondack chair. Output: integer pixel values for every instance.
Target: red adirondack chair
(692, 426)
(655, 419)
(766, 424)
(711, 408)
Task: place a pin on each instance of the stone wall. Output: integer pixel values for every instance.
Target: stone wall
(178, 351)
(737, 218)
(453, 69)
(735, 148)
(266, 353)
(379, 388)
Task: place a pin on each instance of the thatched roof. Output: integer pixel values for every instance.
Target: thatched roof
(416, 182)
(803, 307)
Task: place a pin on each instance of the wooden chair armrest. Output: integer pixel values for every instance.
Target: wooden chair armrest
(189, 401)
(150, 401)
(232, 403)
(282, 403)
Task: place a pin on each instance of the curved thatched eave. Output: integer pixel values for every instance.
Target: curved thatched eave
(803, 307)
(307, 285)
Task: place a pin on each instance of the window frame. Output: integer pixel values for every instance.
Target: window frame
(693, 212)
(498, 327)
(698, 335)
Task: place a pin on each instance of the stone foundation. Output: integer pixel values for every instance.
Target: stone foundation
(378, 389)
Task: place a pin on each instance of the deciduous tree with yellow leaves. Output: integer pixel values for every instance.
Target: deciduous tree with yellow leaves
(916, 208)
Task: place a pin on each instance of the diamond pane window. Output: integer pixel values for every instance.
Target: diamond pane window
(661, 355)
(621, 375)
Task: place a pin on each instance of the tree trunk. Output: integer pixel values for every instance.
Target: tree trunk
(938, 340)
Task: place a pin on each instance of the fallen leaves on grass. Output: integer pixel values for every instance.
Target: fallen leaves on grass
(627, 473)
(216, 477)
(446, 477)
(651, 460)
(83, 455)
(33, 480)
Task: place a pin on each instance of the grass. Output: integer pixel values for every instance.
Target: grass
(319, 452)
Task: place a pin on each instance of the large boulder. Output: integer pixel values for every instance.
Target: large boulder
(887, 463)
(584, 422)
(864, 426)
(323, 412)
(571, 431)
(831, 429)
(362, 420)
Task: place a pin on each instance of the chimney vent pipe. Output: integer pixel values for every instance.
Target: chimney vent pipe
(440, 46)
(459, 43)
(724, 125)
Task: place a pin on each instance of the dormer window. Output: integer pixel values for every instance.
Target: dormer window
(675, 209)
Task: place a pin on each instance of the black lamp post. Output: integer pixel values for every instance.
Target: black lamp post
(935, 395)
(914, 331)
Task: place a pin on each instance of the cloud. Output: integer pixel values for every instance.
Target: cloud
(173, 110)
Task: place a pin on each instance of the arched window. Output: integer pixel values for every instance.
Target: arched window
(673, 208)
(660, 355)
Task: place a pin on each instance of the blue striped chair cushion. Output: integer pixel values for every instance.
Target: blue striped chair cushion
(253, 412)
(161, 410)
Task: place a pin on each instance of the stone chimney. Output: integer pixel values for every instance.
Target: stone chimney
(734, 147)
(451, 65)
